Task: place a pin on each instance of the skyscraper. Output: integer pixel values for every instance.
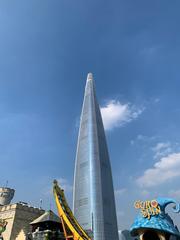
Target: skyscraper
(93, 196)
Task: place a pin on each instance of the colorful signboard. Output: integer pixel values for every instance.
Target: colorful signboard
(148, 208)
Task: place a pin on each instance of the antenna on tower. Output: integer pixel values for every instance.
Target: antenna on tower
(6, 183)
(40, 205)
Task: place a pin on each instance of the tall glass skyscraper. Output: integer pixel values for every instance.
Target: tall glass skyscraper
(93, 197)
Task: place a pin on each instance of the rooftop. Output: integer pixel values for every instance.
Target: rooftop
(48, 216)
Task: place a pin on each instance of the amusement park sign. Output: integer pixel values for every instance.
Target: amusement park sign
(148, 208)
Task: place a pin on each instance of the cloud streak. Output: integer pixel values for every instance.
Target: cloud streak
(116, 114)
(162, 149)
(163, 171)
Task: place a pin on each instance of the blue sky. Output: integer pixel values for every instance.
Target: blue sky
(46, 50)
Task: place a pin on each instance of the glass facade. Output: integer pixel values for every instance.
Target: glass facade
(93, 196)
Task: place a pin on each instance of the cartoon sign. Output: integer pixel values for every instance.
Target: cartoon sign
(148, 208)
(153, 216)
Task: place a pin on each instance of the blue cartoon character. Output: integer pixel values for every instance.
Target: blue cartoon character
(153, 223)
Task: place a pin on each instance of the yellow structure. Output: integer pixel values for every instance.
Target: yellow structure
(18, 217)
(72, 229)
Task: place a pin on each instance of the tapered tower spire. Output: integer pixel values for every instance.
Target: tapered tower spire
(93, 197)
(89, 76)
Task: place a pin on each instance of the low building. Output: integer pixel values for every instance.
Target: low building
(47, 226)
(18, 217)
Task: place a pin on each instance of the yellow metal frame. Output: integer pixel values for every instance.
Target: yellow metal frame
(71, 227)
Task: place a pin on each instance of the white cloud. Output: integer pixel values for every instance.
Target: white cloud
(162, 149)
(156, 100)
(142, 139)
(160, 146)
(163, 171)
(116, 114)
